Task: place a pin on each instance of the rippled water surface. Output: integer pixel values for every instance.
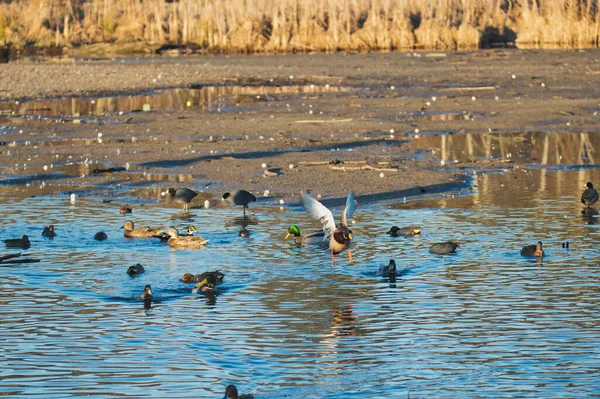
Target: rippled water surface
(286, 323)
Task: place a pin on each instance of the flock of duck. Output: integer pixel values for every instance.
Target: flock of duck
(336, 237)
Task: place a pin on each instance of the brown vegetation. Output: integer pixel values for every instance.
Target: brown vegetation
(302, 25)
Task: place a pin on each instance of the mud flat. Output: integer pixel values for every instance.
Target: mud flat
(388, 125)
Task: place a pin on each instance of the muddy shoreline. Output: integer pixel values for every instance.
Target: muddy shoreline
(343, 121)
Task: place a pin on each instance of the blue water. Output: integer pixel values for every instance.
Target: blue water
(484, 323)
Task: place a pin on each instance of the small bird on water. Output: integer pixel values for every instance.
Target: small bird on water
(22, 242)
(533, 250)
(231, 392)
(442, 248)
(590, 195)
(49, 232)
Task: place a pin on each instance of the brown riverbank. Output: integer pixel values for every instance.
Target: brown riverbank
(362, 123)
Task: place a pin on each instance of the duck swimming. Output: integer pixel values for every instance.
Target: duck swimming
(206, 286)
(196, 278)
(147, 294)
(22, 242)
(180, 242)
(125, 210)
(142, 231)
(441, 248)
(135, 270)
(182, 196)
(339, 237)
(100, 236)
(240, 197)
(49, 232)
(533, 250)
(190, 230)
(408, 231)
(590, 195)
(244, 232)
(314, 238)
(231, 392)
(388, 270)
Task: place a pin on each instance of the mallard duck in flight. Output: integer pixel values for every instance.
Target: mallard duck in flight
(339, 237)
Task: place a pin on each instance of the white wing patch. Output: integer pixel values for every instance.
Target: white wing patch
(321, 213)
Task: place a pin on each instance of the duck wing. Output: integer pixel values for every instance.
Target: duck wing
(321, 213)
(349, 208)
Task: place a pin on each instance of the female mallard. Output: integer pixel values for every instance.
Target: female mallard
(100, 236)
(240, 197)
(142, 231)
(176, 241)
(340, 237)
(533, 250)
(314, 238)
(125, 209)
(442, 248)
(206, 286)
(22, 242)
(135, 270)
(182, 196)
(231, 392)
(196, 278)
(49, 232)
(590, 195)
(408, 231)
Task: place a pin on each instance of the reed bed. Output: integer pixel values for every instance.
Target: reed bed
(284, 26)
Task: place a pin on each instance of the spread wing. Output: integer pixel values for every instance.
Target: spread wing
(349, 208)
(321, 213)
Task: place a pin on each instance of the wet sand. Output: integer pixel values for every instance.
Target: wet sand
(358, 134)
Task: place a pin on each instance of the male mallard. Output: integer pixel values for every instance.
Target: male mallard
(590, 195)
(206, 286)
(533, 250)
(314, 238)
(408, 231)
(177, 241)
(340, 237)
(196, 278)
(441, 248)
(182, 196)
(240, 197)
(142, 231)
(125, 209)
(49, 232)
(99, 236)
(135, 270)
(231, 392)
(22, 242)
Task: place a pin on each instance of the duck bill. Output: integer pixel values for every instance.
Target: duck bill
(287, 236)
(350, 236)
(417, 231)
(199, 286)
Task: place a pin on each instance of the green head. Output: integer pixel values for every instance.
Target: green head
(293, 231)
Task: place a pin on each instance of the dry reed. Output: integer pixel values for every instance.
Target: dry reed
(302, 25)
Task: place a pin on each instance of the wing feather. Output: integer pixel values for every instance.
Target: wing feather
(349, 208)
(321, 213)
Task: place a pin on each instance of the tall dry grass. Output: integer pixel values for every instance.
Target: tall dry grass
(302, 25)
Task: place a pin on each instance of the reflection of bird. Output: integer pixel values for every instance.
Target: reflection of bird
(206, 285)
(340, 237)
(177, 241)
(196, 278)
(240, 197)
(135, 270)
(533, 250)
(49, 232)
(408, 231)
(231, 392)
(314, 238)
(442, 248)
(22, 242)
(125, 209)
(590, 195)
(142, 231)
(182, 196)
(100, 236)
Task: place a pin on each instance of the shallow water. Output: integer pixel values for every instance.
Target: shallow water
(482, 323)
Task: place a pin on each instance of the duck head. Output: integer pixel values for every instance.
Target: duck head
(231, 392)
(393, 230)
(128, 225)
(293, 230)
(206, 286)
